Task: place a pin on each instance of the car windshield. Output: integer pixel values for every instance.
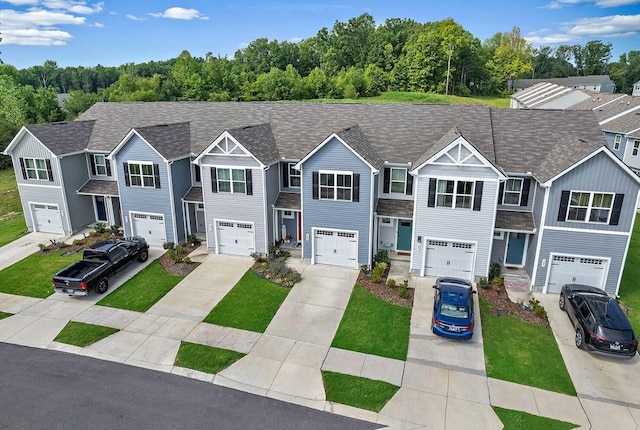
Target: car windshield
(454, 311)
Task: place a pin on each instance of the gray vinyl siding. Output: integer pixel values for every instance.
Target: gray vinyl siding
(81, 211)
(497, 251)
(538, 202)
(143, 199)
(465, 225)
(181, 182)
(329, 214)
(283, 165)
(599, 174)
(391, 196)
(527, 208)
(611, 137)
(30, 147)
(631, 160)
(272, 175)
(235, 207)
(221, 160)
(99, 177)
(593, 244)
(48, 195)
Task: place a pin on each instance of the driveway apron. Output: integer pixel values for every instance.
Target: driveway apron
(285, 363)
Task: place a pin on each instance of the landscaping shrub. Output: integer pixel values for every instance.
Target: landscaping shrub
(42, 247)
(403, 291)
(115, 229)
(538, 309)
(186, 260)
(391, 282)
(168, 245)
(495, 271)
(378, 272)
(99, 227)
(77, 241)
(382, 256)
(483, 283)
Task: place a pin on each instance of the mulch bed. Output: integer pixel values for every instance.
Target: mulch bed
(78, 245)
(498, 298)
(179, 268)
(385, 292)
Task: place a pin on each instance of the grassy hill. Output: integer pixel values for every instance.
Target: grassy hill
(402, 97)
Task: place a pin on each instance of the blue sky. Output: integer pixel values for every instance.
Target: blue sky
(114, 32)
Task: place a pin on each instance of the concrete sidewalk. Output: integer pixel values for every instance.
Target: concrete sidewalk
(24, 246)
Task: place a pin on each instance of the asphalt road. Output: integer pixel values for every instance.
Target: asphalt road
(48, 389)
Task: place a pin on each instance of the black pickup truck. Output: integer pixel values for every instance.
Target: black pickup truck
(99, 262)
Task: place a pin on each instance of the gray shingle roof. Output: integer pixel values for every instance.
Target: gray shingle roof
(570, 81)
(288, 201)
(258, 139)
(354, 137)
(514, 139)
(596, 99)
(511, 220)
(395, 208)
(194, 195)
(445, 140)
(616, 107)
(626, 124)
(170, 140)
(63, 137)
(100, 188)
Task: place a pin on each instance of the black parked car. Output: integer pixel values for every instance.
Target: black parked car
(600, 323)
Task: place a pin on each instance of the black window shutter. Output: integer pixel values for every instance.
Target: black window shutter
(24, 170)
(501, 193)
(524, 197)
(477, 196)
(617, 208)
(432, 193)
(214, 180)
(49, 171)
(127, 182)
(108, 164)
(249, 179)
(409, 190)
(196, 169)
(285, 175)
(564, 205)
(156, 175)
(92, 161)
(386, 179)
(356, 187)
(316, 186)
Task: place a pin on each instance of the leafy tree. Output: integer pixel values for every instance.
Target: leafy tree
(596, 57)
(510, 59)
(12, 115)
(78, 102)
(41, 105)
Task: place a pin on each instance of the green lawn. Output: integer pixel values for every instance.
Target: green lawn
(516, 420)
(205, 358)
(12, 224)
(415, 97)
(629, 287)
(81, 334)
(250, 305)
(524, 353)
(143, 290)
(373, 326)
(4, 315)
(31, 276)
(358, 392)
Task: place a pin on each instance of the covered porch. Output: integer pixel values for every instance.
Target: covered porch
(106, 200)
(514, 233)
(193, 208)
(287, 220)
(394, 229)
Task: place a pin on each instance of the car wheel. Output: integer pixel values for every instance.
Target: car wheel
(102, 286)
(580, 338)
(143, 255)
(562, 301)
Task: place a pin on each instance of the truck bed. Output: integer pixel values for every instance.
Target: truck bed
(80, 269)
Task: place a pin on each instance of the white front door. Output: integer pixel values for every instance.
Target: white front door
(149, 226)
(446, 258)
(566, 269)
(46, 218)
(335, 247)
(235, 238)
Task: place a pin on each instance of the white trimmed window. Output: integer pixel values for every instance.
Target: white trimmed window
(294, 176)
(100, 161)
(454, 194)
(617, 141)
(398, 183)
(590, 207)
(36, 168)
(232, 181)
(636, 147)
(141, 175)
(336, 186)
(512, 192)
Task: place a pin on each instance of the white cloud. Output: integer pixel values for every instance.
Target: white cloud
(612, 26)
(180, 13)
(135, 18)
(38, 18)
(22, 2)
(557, 4)
(98, 24)
(34, 36)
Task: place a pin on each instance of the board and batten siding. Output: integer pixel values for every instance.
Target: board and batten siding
(464, 225)
(74, 171)
(272, 180)
(30, 147)
(144, 199)
(235, 207)
(225, 160)
(599, 174)
(539, 193)
(49, 195)
(331, 214)
(181, 182)
(589, 244)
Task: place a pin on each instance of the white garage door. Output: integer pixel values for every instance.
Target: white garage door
(46, 218)
(149, 226)
(576, 270)
(449, 259)
(337, 248)
(235, 238)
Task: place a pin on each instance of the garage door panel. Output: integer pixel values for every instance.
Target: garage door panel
(566, 269)
(46, 218)
(449, 259)
(236, 238)
(336, 248)
(151, 227)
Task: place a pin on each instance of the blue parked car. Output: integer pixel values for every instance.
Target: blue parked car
(453, 308)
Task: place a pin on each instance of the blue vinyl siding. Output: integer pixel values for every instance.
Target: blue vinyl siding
(337, 214)
(143, 199)
(75, 175)
(599, 174)
(281, 166)
(610, 136)
(181, 178)
(537, 220)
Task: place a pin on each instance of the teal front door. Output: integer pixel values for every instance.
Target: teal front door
(404, 235)
(515, 248)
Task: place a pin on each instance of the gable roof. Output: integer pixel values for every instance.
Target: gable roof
(60, 137)
(624, 124)
(445, 140)
(354, 137)
(170, 140)
(259, 141)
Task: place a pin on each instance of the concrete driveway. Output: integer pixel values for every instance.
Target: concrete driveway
(23, 247)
